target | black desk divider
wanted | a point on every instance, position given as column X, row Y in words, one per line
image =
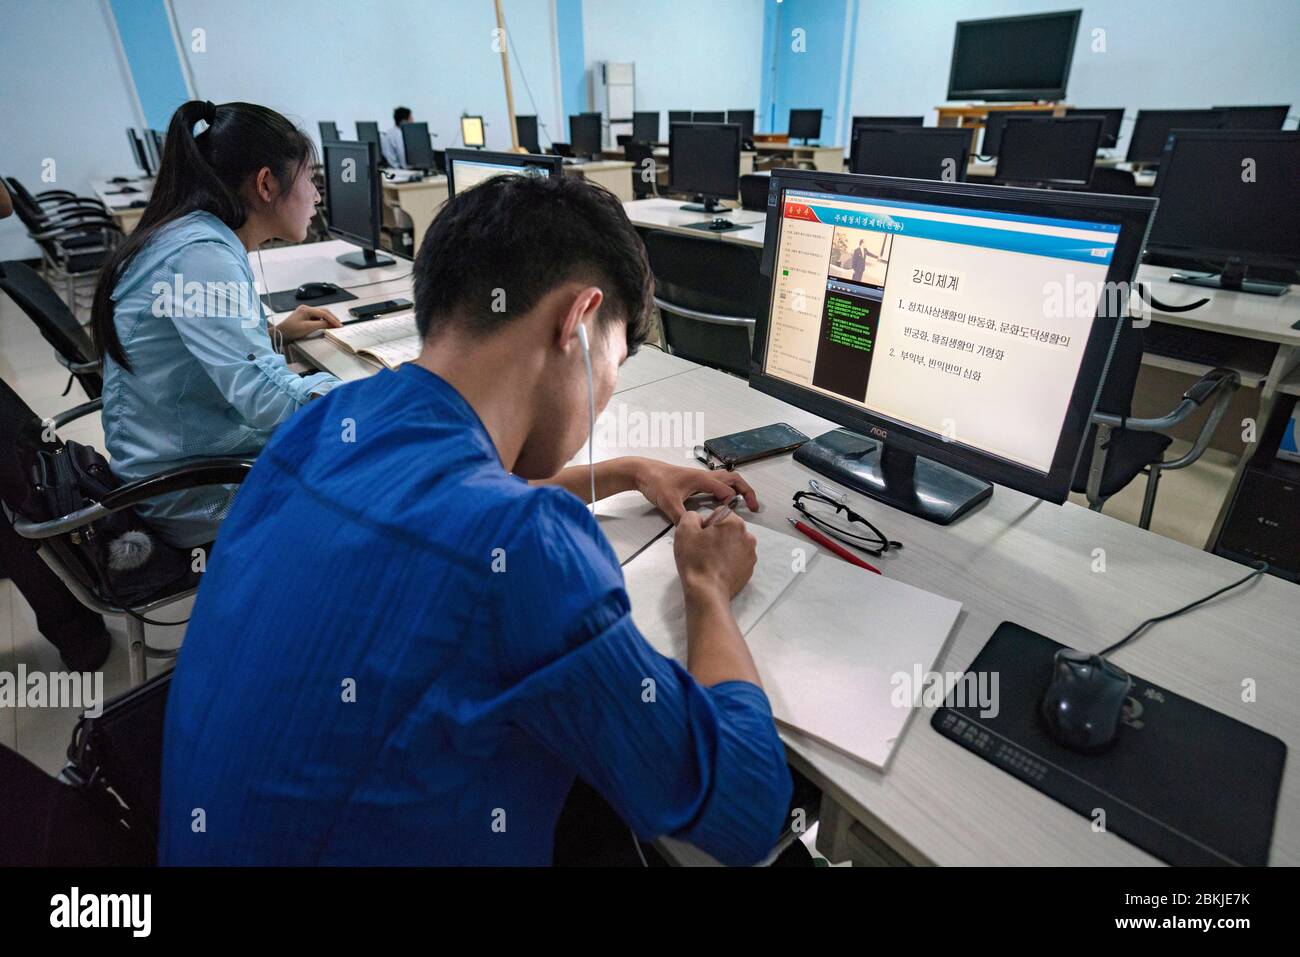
column 1182, row 781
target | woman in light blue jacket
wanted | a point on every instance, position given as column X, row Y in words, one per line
column 190, row 369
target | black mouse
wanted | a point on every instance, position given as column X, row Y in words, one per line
column 137, row 204
column 1084, row 701
column 315, row 290
column 128, row 189
column 120, row 179
column 720, row 223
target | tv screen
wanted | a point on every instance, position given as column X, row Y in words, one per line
column 1013, row 58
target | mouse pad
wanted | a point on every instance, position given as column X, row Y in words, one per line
column 705, row 227
column 1182, row 781
column 287, row 301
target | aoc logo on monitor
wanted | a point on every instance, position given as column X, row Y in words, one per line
column 879, row 433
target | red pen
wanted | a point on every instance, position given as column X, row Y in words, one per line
column 835, row 547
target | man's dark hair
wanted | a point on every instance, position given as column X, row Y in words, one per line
column 494, row 251
column 401, row 115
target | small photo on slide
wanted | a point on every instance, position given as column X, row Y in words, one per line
column 860, row 255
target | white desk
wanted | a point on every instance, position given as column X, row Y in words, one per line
column 827, row 158
column 420, row 201
column 119, row 204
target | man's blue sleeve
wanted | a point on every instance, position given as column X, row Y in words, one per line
column 671, row 757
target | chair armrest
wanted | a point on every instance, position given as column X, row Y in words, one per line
column 1221, row 382
column 213, row 472
column 81, row 225
column 76, row 412
column 79, row 367
column 712, row 317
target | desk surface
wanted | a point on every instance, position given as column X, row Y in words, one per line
column 108, row 193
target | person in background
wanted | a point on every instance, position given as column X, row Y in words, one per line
column 190, row 368
column 436, row 701
column 390, row 143
column 76, row 631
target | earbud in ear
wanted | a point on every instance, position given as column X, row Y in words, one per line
column 582, row 337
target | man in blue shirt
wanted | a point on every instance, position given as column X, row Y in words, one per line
column 404, row 653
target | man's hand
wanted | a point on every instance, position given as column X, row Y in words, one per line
column 305, row 320
column 667, row 487
column 718, row 560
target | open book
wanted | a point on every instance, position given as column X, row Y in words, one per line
column 389, row 340
column 838, row 649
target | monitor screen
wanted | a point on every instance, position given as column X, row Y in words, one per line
column 745, row 120
column 1253, row 117
column 889, row 121
column 418, row 146
column 1151, row 130
column 705, row 159
column 805, row 124
column 584, row 134
column 917, row 152
column 645, row 127
column 526, row 130
column 994, row 124
column 709, row 116
column 923, row 314
column 329, row 132
column 1111, row 118
column 153, row 148
column 1013, row 58
column 468, row 168
column 1230, row 194
column 471, row 131
column 352, row 192
column 1049, row 150
column 679, row 116
column 368, row 132
column 138, row 151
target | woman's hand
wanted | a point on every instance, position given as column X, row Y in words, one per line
column 669, row 486
column 305, row 320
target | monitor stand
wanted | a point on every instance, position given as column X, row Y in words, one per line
column 921, row 486
column 1233, row 277
column 365, row 259
column 705, row 205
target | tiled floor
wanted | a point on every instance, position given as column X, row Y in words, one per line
column 1184, row 511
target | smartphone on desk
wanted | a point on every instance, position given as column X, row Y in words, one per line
column 728, row 451
column 376, row 309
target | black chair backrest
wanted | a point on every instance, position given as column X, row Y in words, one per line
column 26, row 205
column 753, row 191
column 22, row 435
column 637, row 154
column 706, row 275
column 561, row 149
column 53, row 318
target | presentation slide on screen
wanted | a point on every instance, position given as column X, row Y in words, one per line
column 940, row 318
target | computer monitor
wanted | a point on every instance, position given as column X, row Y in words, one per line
column 417, row 146
column 745, row 120
column 329, row 132
column 645, row 127
column 1146, row 144
column 1049, row 150
column 921, row 316
column 138, row 151
column 154, row 142
column 805, row 125
column 709, row 116
column 679, row 116
column 1253, row 117
column 526, row 130
column 1231, row 199
column 705, row 161
column 584, row 134
column 888, row 121
column 1013, row 58
column 468, row 168
column 352, row 204
column 915, row 152
column 471, row 132
column 1112, row 118
column 368, row 132
column 995, row 122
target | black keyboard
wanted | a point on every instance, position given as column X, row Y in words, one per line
column 1209, row 348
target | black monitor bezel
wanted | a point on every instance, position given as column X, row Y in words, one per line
column 138, row 152
column 821, row 121
column 752, row 115
column 482, row 125
column 1131, row 213
column 370, row 242
column 1286, row 112
column 1093, row 118
column 1147, row 115
column 1107, row 113
column 1010, row 94
column 1211, row 254
column 356, row 125
column 410, row 131
column 675, row 185
column 954, row 133
column 554, row 164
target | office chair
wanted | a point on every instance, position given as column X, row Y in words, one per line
column 1119, row 448
column 75, row 233
column 133, row 594
column 753, row 192
column 637, row 154
column 709, row 295
column 56, row 323
column 560, row 149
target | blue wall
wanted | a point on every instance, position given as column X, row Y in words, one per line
column 150, row 49
column 807, row 49
column 573, row 61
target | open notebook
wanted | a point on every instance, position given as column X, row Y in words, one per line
column 831, row 642
column 389, row 340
